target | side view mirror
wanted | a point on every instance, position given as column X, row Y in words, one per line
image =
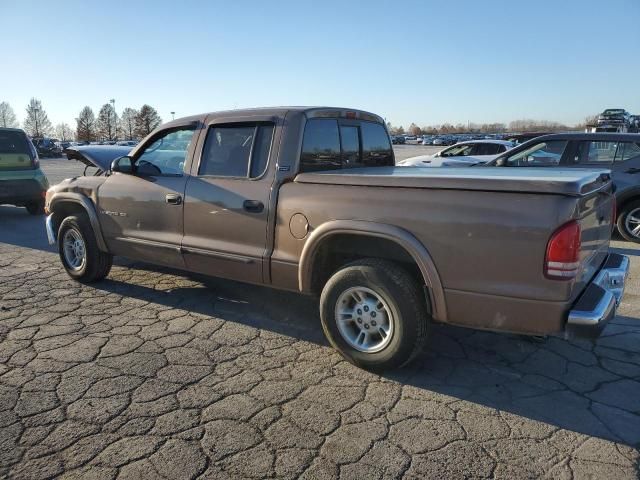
column 122, row 165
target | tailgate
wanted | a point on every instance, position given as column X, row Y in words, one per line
column 595, row 217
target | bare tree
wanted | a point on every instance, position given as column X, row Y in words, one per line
column 146, row 121
column 7, row 116
column 591, row 120
column 128, row 123
column 86, row 125
column 107, row 122
column 528, row 125
column 415, row 129
column 37, row 123
column 446, row 128
column 63, row 132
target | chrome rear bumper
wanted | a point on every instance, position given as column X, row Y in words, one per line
column 597, row 304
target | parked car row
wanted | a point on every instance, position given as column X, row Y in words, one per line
column 47, row 147
column 619, row 153
column 452, row 139
column 461, row 154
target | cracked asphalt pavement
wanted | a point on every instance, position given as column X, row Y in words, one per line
column 154, row 373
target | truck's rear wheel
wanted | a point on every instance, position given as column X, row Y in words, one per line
column 79, row 252
column 629, row 222
column 373, row 313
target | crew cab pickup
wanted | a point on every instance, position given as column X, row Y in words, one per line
column 309, row 200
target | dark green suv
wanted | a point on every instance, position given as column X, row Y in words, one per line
column 22, row 183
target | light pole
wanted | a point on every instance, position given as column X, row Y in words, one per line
column 115, row 120
column 173, row 115
column 35, row 117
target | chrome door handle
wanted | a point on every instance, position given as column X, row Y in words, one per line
column 173, row 198
column 253, row 206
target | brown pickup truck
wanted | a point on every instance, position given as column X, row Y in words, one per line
column 309, row 200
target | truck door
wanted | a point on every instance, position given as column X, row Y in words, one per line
column 141, row 211
column 227, row 199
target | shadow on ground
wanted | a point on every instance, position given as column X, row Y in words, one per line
column 591, row 388
column 586, row 387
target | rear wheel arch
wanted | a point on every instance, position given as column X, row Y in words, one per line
column 626, row 198
column 368, row 240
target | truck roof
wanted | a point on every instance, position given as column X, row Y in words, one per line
column 309, row 111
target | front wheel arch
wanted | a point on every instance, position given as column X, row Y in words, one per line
column 64, row 204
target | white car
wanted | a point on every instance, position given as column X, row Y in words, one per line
column 461, row 154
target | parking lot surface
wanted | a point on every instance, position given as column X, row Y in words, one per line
column 154, row 373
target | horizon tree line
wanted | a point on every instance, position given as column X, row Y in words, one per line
column 137, row 124
column 133, row 124
column 524, row 125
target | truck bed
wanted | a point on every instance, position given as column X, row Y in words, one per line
column 572, row 182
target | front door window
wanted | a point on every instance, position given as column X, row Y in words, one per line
column 165, row 155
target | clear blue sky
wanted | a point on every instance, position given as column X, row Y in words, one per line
column 423, row 61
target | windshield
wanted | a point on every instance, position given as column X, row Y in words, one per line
column 15, row 151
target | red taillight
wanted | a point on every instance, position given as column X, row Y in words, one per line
column 563, row 253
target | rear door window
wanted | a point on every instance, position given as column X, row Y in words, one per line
column 542, row 154
column 488, row 149
column 240, row 150
column 595, row 153
column 628, row 151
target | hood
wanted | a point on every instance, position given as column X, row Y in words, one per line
column 99, row 156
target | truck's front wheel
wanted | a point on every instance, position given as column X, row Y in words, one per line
column 79, row 252
column 373, row 313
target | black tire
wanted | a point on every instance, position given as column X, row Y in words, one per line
column 35, row 208
column 403, row 296
column 97, row 263
column 633, row 207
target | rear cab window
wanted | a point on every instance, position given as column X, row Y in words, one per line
column 16, row 151
column 331, row 144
